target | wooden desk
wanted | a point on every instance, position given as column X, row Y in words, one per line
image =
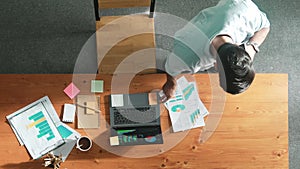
column 253, row 131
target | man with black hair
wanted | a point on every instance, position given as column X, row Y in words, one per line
column 226, row 36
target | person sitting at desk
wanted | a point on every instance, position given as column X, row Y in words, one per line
column 226, row 36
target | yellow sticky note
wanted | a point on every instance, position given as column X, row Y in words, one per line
column 152, row 97
column 114, row 141
column 90, row 107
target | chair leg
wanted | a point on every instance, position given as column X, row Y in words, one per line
column 152, row 7
column 96, row 7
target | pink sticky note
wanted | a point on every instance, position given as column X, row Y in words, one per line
column 71, row 90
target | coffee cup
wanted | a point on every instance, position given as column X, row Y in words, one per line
column 84, row 143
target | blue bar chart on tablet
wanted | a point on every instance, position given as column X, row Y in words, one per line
column 40, row 122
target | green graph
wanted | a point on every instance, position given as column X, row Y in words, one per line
column 40, row 122
column 187, row 92
column 195, row 115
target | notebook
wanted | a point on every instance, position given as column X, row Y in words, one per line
column 69, row 113
column 87, row 116
column 133, row 120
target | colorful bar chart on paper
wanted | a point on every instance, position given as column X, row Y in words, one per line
column 40, row 122
column 176, row 104
column 176, row 99
column 187, row 92
column 195, row 115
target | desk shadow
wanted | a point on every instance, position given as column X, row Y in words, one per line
column 35, row 164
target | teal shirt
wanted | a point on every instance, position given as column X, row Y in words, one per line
column 239, row 19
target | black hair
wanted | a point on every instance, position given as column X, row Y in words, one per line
column 236, row 72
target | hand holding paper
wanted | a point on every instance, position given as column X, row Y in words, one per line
column 186, row 109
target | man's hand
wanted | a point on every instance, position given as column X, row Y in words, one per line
column 258, row 38
column 250, row 50
column 169, row 88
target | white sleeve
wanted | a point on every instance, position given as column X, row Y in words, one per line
column 175, row 66
column 264, row 21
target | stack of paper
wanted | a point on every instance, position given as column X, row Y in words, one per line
column 186, row 110
column 38, row 127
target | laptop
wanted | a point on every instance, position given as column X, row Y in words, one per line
column 135, row 119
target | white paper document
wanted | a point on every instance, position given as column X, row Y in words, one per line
column 38, row 127
column 186, row 110
column 35, row 128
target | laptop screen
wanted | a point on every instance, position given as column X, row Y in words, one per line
column 133, row 100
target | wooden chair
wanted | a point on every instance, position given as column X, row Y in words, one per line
column 102, row 4
column 124, row 44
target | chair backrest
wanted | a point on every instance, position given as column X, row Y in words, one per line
column 103, row 4
column 106, row 4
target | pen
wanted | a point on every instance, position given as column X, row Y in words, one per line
column 98, row 111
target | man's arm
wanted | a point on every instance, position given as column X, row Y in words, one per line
column 257, row 38
column 260, row 36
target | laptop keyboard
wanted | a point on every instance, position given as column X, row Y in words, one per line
column 135, row 115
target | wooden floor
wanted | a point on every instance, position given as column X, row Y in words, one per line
column 126, row 44
column 252, row 133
